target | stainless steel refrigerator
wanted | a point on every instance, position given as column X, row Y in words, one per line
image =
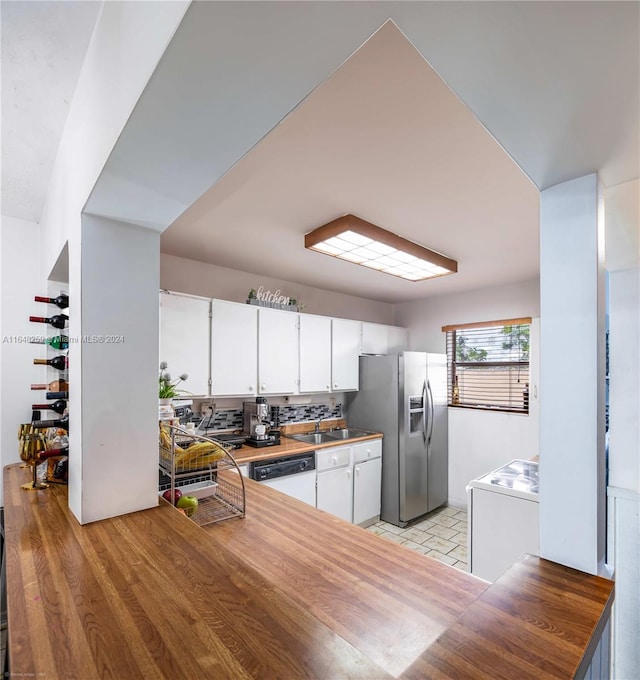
column 404, row 396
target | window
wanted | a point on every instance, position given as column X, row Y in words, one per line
column 488, row 365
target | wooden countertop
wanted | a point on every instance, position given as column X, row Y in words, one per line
column 287, row 592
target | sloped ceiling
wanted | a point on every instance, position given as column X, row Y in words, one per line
column 555, row 83
column 383, row 138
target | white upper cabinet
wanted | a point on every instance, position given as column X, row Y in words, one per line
column 378, row 338
column 315, row 353
column 398, row 339
column 374, row 338
column 277, row 351
column 345, row 352
column 234, row 348
column 184, row 340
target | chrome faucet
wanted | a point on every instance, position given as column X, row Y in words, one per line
column 318, row 425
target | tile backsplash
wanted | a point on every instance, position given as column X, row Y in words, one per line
column 285, row 415
column 231, row 419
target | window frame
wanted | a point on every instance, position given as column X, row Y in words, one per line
column 452, row 364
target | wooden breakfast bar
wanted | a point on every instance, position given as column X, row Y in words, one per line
column 286, row 592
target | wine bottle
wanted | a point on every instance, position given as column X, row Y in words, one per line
column 57, row 341
column 57, row 320
column 58, row 406
column 58, row 422
column 56, row 395
column 49, row 453
column 455, row 392
column 61, row 300
column 55, row 386
column 60, row 362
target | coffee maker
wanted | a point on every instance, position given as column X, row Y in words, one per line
column 257, row 423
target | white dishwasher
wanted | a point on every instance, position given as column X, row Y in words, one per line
column 292, row 475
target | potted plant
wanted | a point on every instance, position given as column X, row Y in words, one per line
column 168, row 387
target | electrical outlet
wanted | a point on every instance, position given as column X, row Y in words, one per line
column 207, row 407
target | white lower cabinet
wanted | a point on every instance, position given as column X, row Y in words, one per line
column 334, row 485
column 367, row 481
column 367, row 478
column 333, row 492
column 348, row 481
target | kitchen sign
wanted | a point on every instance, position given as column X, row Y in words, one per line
column 267, row 298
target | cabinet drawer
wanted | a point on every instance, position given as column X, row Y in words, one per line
column 367, row 450
column 333, row 458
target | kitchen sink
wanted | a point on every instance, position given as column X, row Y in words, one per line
column 313, row 438
column 329, row 436
column 347, row 433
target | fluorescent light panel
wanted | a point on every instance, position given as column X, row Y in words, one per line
column 351, row 239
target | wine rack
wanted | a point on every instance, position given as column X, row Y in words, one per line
column 53, row 467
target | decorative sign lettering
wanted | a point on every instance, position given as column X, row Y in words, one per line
column 268, row 296
column 275, row 300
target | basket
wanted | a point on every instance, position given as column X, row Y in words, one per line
column 201, row 467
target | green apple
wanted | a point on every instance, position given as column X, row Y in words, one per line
column 189, row 504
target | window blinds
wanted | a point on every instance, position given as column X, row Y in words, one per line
column 488, row 365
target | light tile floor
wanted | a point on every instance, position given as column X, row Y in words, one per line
column 442, row 534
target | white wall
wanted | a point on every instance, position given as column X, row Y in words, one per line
column 479, row 441
column 19, row 283
column 198, row 278
column 425, row 318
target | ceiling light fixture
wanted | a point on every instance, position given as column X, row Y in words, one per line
column 354, row 240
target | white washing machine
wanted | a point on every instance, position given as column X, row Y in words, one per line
column 503, row 518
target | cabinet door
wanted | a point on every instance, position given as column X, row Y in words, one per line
column 184, row 340
column 345, row 352
column 315, row 353
column 374, row 338
column 277, row 351
column 334, row 490
column 397, row 339
column 234, row 348
column 367, row 481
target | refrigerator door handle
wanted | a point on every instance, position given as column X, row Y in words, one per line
column 431, row 414
column 425, row 412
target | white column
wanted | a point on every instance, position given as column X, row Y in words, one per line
column 623, row 550
column 572, row 305
column 113, row 364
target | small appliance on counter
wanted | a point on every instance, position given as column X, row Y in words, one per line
column 234, row 441
column 257, row 423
